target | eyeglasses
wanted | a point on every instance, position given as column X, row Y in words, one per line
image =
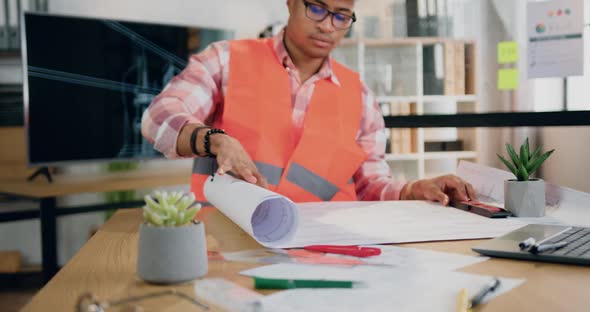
column 318, row 13
column 87, row 302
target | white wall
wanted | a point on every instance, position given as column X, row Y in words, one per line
column 487, row 27
column 569, row 165
column 247, row 18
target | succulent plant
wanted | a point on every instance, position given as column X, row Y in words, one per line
column 170, row 209
column 525, row 164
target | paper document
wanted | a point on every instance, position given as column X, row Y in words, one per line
column 276, row 222
column 564, row 205
column 507, row 52
column 373, row 275
column 507, row 79
column 358, row 223
column 228, row 295
column 390, row 256
column 555, row 38
column 425, row 298
column 399, row 289
column 420, row 259
column 269, row 218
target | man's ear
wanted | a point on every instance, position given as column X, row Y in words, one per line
column 290, row 6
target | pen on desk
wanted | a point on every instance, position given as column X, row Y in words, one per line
column 478, row 298
column 527, row 243
column 355, row 251
column 463, row 304
column 267, row 283
column 546, row 247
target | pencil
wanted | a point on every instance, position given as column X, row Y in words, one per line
column 463, row 301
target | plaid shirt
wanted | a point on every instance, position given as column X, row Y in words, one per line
column 197, row 93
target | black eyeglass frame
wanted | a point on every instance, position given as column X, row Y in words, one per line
column 328, row 12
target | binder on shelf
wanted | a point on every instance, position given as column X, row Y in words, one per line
column 405, row 133
column 433, row 85
column 417, row 19
column 470, row 68
column 443, row 146
column 387, row 133
column 450, row 87
column 428, row 18
column 395, row 133
column 445, row 21
column 432, row 19
column 403, row 141
column 395, row 141
column 459, row 68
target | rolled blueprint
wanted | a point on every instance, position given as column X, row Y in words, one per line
column 271, row 219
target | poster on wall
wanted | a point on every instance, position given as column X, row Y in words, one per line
column 555, row 38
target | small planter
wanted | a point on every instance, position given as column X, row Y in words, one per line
column 172, row 254
column 525, row 198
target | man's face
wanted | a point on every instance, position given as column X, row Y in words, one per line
column 316, row 38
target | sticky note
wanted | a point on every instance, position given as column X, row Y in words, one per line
column 507, row 79
column 507, row 52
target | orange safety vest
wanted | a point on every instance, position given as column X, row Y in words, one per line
column 258, row 112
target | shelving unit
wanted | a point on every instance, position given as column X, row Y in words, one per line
column 432, row 155
column 394, row 70
column 428, row 98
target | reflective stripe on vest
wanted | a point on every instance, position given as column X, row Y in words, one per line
column 311, row 182
column 208, row 166
column 272, row 173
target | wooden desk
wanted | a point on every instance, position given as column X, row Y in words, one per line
column 46, row 193
column 69, row 185
column 105, row 266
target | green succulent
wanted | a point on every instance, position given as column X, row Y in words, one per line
column 525, row 164
column 170, row 209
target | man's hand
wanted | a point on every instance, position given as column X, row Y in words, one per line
column 231, row 156
column 441, row 189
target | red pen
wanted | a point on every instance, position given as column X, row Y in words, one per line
column 355, row 251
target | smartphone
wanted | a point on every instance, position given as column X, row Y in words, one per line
column 481, row 209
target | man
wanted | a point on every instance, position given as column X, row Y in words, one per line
column 295, row 120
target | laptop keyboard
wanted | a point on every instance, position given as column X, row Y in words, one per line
column 579, row 243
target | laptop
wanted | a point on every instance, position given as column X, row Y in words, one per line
column 577, row 250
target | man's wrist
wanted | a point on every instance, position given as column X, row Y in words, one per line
column 185, row 136
column 194, row 141
column 407, row 191
column 216, row 141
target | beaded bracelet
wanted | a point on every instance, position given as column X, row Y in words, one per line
column 208, row 142
column 194, row 136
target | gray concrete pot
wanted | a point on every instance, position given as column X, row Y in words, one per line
column 169, row 255
column 525, row 198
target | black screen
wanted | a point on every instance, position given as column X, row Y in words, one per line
column 89, row 81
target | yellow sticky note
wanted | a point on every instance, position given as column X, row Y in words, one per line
column 507, row 79
column 507, row 52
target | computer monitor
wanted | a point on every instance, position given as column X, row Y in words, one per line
column 88, row 81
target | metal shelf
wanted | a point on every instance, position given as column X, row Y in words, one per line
column 428, row 98
column 432, row 156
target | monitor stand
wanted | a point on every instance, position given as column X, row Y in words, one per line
column 41, row 171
